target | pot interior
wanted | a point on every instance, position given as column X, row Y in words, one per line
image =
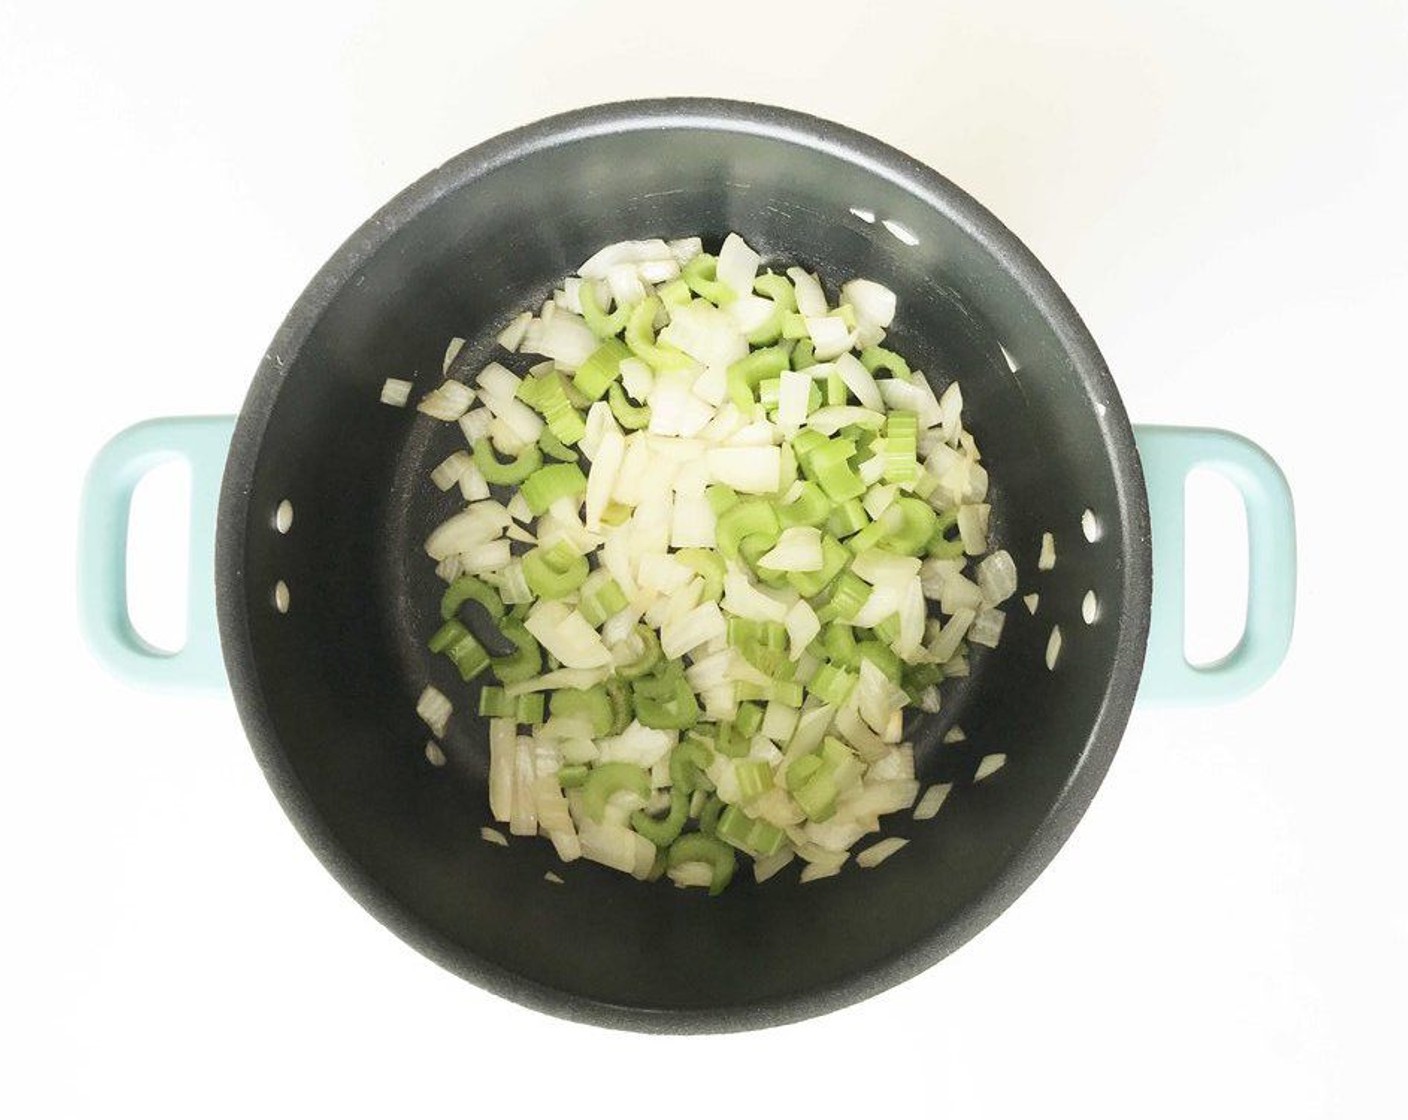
column 328, row 687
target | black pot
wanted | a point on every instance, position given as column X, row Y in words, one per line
column 326, row 685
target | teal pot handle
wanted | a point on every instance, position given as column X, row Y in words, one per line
column 1169, row 454
column 202, row 442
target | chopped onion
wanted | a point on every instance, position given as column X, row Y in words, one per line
column 601, row 479
column 829, row 336
column 475, row 424
column 565, row 338
column 955, row 734
column 989, row 764
column 931, row 802
column 973, row 528
column 880, row 851
column 750, row 313
column 449, row 402
column 640, row 745
column 511, row 337
column 751, row 470
column 636, row 378
column 811, row 300
column 705, row 333
column 997, row 577
column 828, row 421
column 685, row 249
column 395, row 392
column 625, row 284
column 633, row 252
column 859, row 381
column 451, row 469
column 493, row 836
column 766, row 867
column 567, row 635
column 802, row 627
column 953, row 632
column 686, row 634
column 873, row 303
column 792, row 396
column 1047, row 560
column 1053, row 647
column 434, row 708
column 1031, row 601
column 737, row 265
column 798, row 549
column 987, row 627
column 741, row 598
column 473, row 488
column 476, row 525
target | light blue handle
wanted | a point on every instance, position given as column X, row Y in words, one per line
column 202, row 441
column 1168, row 455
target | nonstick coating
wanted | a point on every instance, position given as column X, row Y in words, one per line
column 327, row 690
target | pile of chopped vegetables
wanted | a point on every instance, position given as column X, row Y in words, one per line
column 729, row 550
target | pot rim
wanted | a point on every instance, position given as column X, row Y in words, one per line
column 804, row 130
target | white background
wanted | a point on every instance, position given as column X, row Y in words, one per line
column 1220, row 189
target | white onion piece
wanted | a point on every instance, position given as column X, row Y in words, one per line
column 1053, row 647
column 802, row 628
column 636, row 378
column 955, row 734
column 395, row 392
column 792, row 398
column 749, row 470
column 874, row 304
column 1047, row 560
column 565, row 338
column 705, row 333
column 989, row 764
column 830, row 420
column 685, row 249
column 601, row 479
column 798, row 549
column 859, row 381
column 599, row 263
column 951, row 408
column 997, row 577
column 973, row 528
column 811, row 300
column 987, row 627
column 750, row 313
column 473, row 487
column 700, row 625
column 741, row 598
column 481, row 522
column 1031, row 602
column 493, row 836
column 768, row 866
column 449, row 402
column 931, row 802
column 475, row 424
column 434, row 708
column 643, row 746
column 881, row 568
column 830, row 336
column 737, row 265
column 953, row 632
column 658, row 272
column 625, row 284
column 880, row 851
column 567, row 635
column 448, row 472
column 511, row 337
column 569, row 296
